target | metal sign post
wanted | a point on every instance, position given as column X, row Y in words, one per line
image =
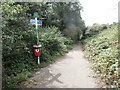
column 39, row 22
column 37, row 47
column 36, row 24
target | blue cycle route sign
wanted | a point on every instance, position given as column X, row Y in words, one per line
column 32, row 21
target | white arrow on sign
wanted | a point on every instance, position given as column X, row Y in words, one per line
column 39, row 22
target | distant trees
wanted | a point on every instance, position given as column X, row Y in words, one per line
column 68, row 19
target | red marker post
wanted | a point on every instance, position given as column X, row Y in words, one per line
column 37, row 50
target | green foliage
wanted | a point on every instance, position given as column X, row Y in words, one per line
column 95, row 29
column 53, row 42
column 19, row 57
column 102, row 50
column 64, row 13
column 66, row 16
column 19, row 35
column 74, row 32
column 13, row 81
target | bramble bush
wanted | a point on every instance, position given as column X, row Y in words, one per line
column 18, row 52
column 102, row 50
column 19, row 36
column 53, row 42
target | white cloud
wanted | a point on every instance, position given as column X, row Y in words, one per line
column 99, row 11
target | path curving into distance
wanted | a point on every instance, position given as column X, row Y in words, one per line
column 70, row 71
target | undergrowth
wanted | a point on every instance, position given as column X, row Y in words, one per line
column 102, row 50
column 19, row 60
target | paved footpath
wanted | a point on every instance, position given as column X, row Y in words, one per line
column 70, row 71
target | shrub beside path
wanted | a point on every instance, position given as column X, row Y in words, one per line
column 70, row 71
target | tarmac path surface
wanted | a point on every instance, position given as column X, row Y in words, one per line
column 69, row 71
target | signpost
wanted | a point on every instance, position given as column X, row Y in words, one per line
column 39, row 22
column 37, row 47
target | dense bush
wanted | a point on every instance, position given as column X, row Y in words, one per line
column 19, row 36
column 19, row 57
column 53, row 42
column 102, row 50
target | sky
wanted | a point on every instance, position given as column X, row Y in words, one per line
column 99, row 11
